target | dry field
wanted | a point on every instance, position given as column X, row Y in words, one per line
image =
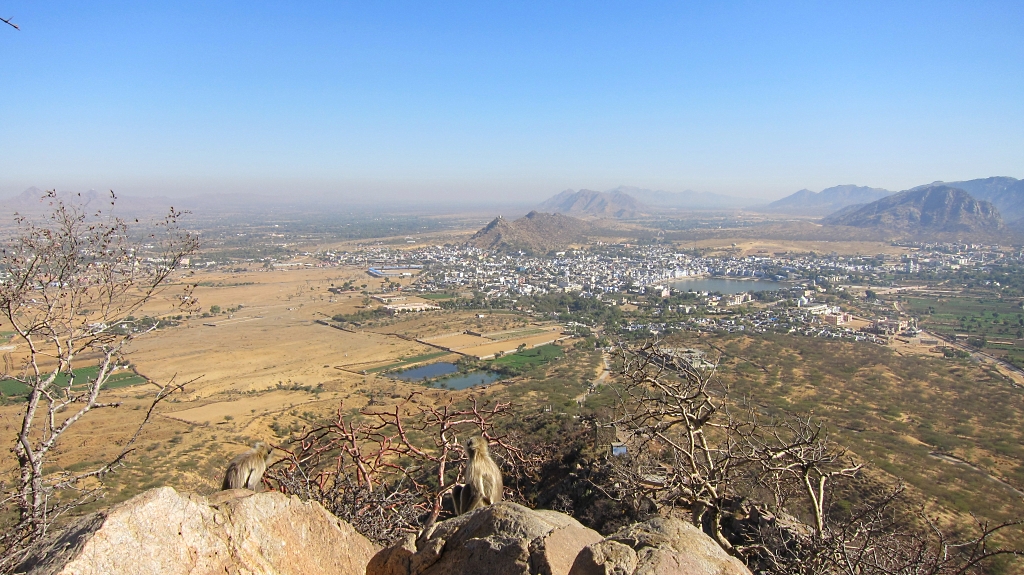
column 261, row 372
column 486, row 345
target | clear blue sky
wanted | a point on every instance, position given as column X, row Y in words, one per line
column 507, row 100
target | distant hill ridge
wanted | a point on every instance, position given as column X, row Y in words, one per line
column 589, row 203
column 931, row 209
column 534, row 233
column 808, row 203
column 1006, row 194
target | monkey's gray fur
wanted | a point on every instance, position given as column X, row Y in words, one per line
column 245, row 471
column 483, row 485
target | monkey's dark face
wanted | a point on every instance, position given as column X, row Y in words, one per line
column 476, row 445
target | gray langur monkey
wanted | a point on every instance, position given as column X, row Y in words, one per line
column 245, row 471
column 482, row 478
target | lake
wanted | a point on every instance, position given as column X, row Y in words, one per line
column 469, row 380
column 442, row 369
column 725, row 286
column 425, row 371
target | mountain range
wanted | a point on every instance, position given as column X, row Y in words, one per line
column 808, row 203
column 1006, row 194
column 930, row 209
column 588, row 203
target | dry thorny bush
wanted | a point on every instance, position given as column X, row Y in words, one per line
column 387, row 470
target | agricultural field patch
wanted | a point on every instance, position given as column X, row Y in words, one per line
column 530, row 358
column 120, row 378
column 994, row 325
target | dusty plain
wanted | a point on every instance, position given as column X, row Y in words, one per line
column 260, row 369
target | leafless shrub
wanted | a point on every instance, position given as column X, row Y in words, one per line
column 387, row 471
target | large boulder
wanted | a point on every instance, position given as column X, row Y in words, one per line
column 233, row 532
column 661, row 546
column 501, row 539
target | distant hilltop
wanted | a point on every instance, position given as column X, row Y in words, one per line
column 534, row 233
column 808, row 203
column 631, row 202
column 1006, row 194
column 933, row 209
column 588, row 203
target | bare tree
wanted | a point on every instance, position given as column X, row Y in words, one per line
column 71, row 287
column 702, row 452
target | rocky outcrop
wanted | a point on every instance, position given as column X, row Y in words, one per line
column 233, row 532
column 661, row 546
column 502, row 539
column 509, row 539
column 244, row 533
column 933, row 209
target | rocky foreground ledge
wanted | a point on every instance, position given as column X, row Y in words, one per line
column 240, row 532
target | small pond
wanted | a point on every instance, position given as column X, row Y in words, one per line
column 425, row 372
column 440, row 370
column 468, row 380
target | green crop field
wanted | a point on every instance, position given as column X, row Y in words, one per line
column 119, row 378
column 995, row 325
column 529, row 358
column 435, row 295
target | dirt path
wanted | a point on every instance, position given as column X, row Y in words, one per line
column 957, row 461
column 599, row 379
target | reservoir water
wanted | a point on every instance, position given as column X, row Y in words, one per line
column 442, row 369
column 725, row 286
column 425, row 371
column 469, row 380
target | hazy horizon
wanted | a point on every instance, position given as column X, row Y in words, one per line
column 507, row 104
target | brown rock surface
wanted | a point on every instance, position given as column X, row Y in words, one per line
column 233, row 532
column 662, row 546
column 501, row 539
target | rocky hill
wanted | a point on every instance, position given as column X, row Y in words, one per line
column 588, row 203
column 827, row 201
column 534, row 233
column 1006, row 194
column 932, row 209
